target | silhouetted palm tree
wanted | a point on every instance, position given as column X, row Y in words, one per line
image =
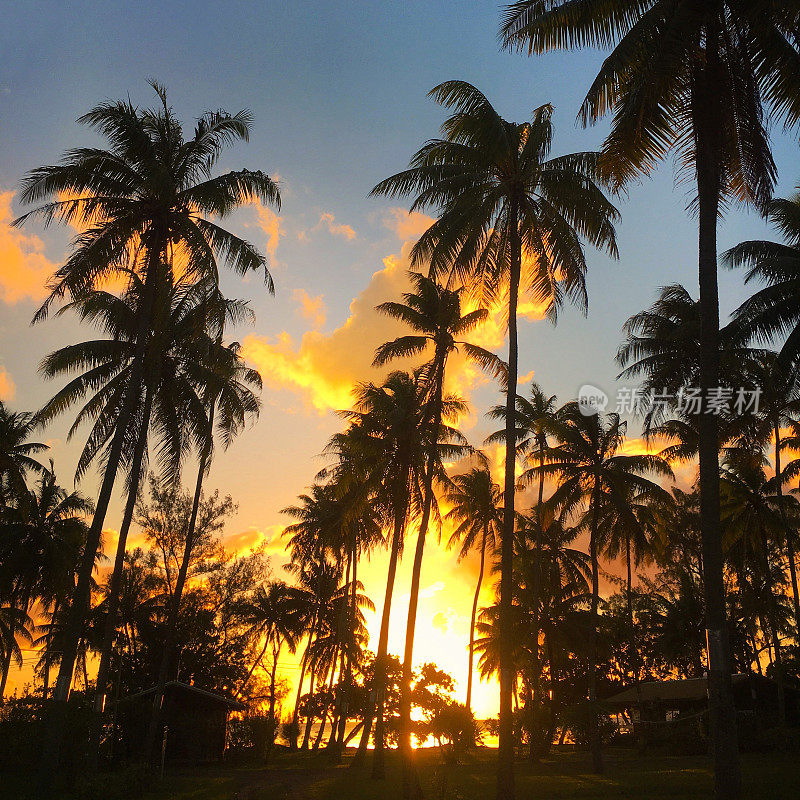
column 510, row 220
column 142, row 202
column 594, row 475
column 16, row 453
column 435, row 315
column 477, row 510
column 695, row 79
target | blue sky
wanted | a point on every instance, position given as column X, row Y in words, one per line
column 338, row 96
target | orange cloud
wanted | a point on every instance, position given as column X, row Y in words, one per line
column 7, row 386
column 526, row 378
column 271, row 224
column 327, row 220
column 25, row 268
column 407, row 224
column 312, row 308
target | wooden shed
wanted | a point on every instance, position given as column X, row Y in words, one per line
column 196, row 721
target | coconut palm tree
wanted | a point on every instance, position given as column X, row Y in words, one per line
column 228, row 396
column 510, row 220
column 434, row 313
column 476, row 509
column 41, row 543
column 183, row 359
column 17, row 453
column 396, row 436
column 594, row 475
column 696, row 79
column 141, row 202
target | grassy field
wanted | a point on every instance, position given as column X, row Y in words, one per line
column 771, row 776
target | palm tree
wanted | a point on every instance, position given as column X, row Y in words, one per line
column 183, row 357
column 275, row 616
column 16, row 453
column 141, row 201
column 696, row 79
column 477, row 510
column 397, row 438
column 772, row 313
column 435, row 314
column 752, row 521
column 227, row 394
column 509, row 219
column 594, row 475
column 41, row 542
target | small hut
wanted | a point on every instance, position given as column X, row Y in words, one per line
column 665, row 701
column 195, row 719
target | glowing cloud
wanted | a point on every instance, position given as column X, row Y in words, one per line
column 407, row 224
column 25, row 268
column 271, row 224
column 526, row 378
column 311, row 308
column 7, row 386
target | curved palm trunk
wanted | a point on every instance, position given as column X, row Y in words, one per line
column 375, row 702
column 79, row 608
column 112, row 616
column 299, row 693
column 472, row 621
column 505, row 752
column 110, row 628
column 595, row 744
column 411, row 785
column 722, row 714
column 343, row 715
column 167, row 654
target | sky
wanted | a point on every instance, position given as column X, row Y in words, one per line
column 338, row 97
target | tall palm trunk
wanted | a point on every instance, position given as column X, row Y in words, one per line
column 110, row 628
column 632, row 637
column 505, row 754
column 411, row 785
column 167, row 654
column 81, row 600
column 535, row 591
column 595, row 744
column 787, row 530
column 343, row 714
column 299, row 694
column 722, row 713
column 6, row 668
column 768, row 592
column 472, row 620
column 375, row 701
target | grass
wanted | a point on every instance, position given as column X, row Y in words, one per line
column 564, row 775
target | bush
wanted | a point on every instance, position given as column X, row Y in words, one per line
column 134, row 780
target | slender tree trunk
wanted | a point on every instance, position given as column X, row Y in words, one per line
column 343, row 716
column 632, row 637
column 311, row 712
column 167, row 654
column 472, row 621
column 505, row 752
column 6, row 669
column 787, row 530
column 595, row 745
column 768, row 594
column 79, row 608
column 375, row 703
column 722, row 713
column 411, row 786
column 299, row 693
column 341, row 625
column 276, row 649
column 110, row 628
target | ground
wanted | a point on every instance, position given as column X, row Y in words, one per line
column 565, row 775
column 771, row 776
